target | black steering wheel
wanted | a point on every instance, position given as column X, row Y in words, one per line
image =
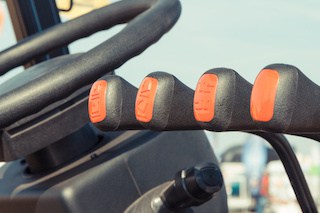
column 29, row 98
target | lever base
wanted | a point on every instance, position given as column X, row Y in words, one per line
column 106, row 181
column 63, row 151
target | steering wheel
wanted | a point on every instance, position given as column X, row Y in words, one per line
column 44, row 103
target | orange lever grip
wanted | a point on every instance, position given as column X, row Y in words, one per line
column 263, row 95
column 145, row 99
column 204, row 98
column 97, row 101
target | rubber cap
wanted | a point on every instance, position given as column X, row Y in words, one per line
column 210, row 177
column 263, row 95
column 145, row 99
column 97, row 101
column 204, row 98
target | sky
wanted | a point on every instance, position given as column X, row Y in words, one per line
column 243, row 35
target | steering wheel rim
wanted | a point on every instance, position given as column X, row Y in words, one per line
column 153, row 18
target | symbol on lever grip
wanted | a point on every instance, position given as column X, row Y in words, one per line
column 145, row 99
column 97, row 101
column 204, row 98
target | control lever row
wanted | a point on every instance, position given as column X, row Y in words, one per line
column 221, row 102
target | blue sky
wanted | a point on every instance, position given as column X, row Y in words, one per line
column 243, row 35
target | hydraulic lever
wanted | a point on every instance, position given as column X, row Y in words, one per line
column 111, row 104
column 164, row 103
column 221, row 101
column 284, row 100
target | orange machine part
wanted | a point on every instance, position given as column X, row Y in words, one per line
column 1, row 19
column 263, row 95
column 97, row 101
column 145, row 99
column 205, row 97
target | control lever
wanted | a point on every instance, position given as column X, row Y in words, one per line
column 111, row 104
column 191, row 187
column 221, row 101
column 284, row 100
column 164, row 103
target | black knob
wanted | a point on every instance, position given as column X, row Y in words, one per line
column 193, row 186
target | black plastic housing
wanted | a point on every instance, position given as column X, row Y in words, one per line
column 109, row 178
column 47, row 126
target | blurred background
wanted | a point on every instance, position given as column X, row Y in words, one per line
column 242, row 35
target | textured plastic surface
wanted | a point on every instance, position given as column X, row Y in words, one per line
column 118, row 100
column 296, row 106
column 231, row 101
column 109, row 180
column 47, row 126
column 172, row 108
